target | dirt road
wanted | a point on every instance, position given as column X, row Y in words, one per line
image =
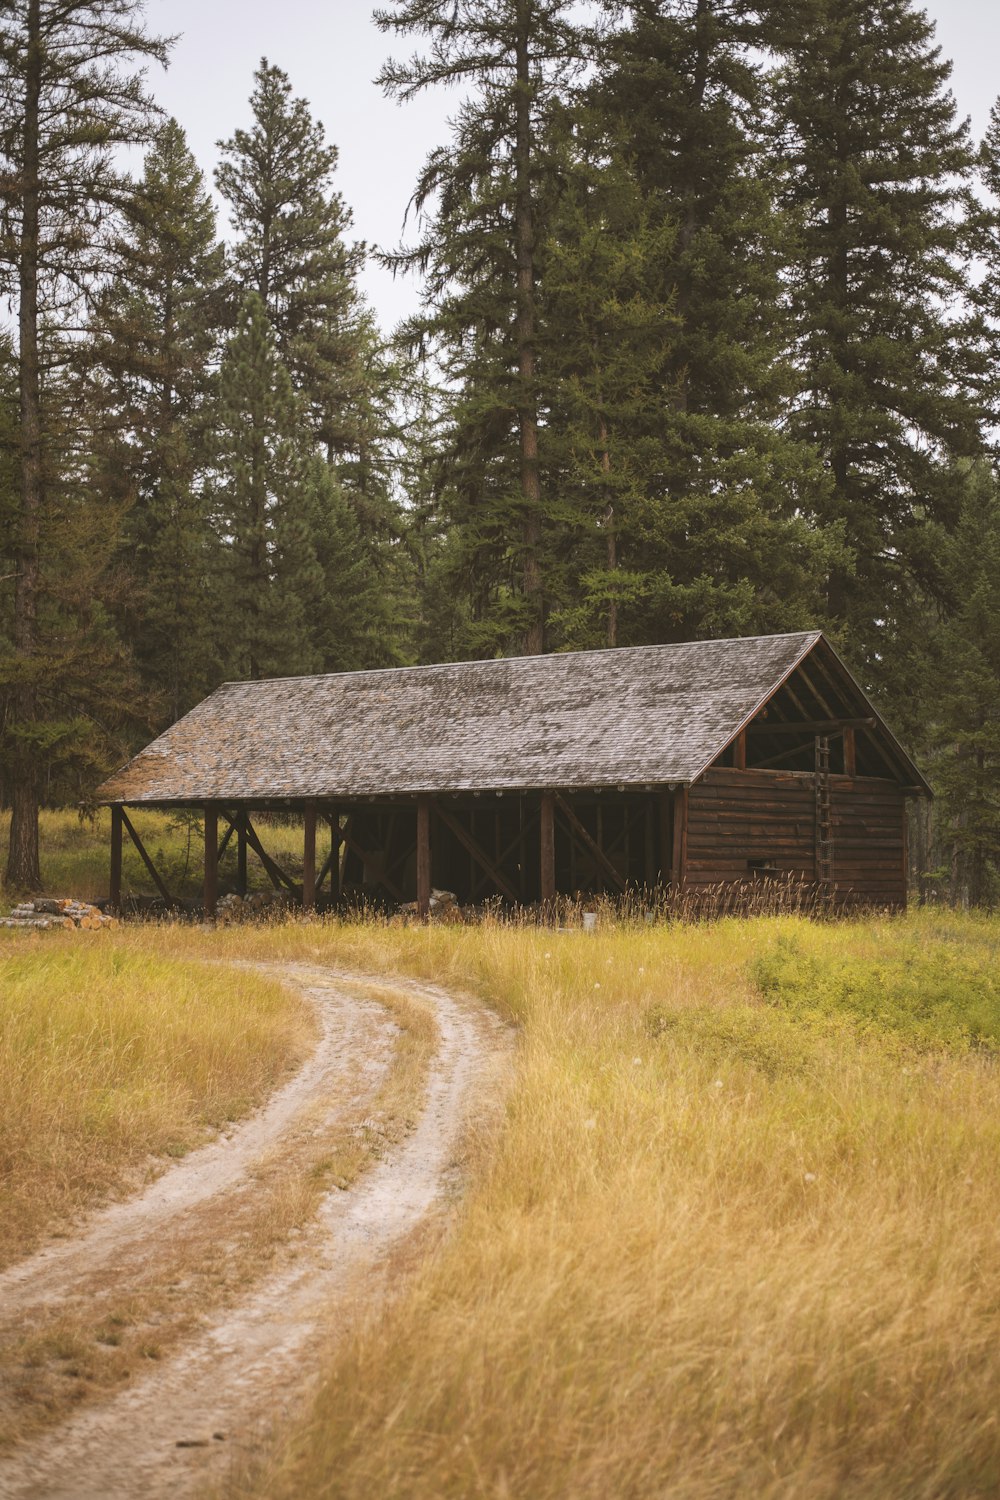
column 216, row 1401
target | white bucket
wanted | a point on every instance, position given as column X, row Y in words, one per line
column 589, row 921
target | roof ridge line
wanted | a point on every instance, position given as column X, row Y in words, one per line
column 492, row 661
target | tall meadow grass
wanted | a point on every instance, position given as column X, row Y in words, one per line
column 114, row 1053
column 726, row 1241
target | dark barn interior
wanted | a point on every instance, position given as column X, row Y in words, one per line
column 692, row 767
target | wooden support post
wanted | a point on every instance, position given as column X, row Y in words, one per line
column 336, row 862
column 740, row 751
column 477, row 855
column 850, row 752
column 241, row 853
column 309, row 857
column 275, row 872
column 809, row 726
column 678, row 861
column 548, row 849
column 224, row 842
column 423, row 856
column 649, row 836
column 211, row 859
column 906, row 853
column 666, row 801
column 591, row 845
column 115, row 893
column 154, row 873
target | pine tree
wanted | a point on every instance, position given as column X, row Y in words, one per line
column 606, row 339
column 724, row 515
column 984, row 225
column 296, row 585
column 154, row 338
column 71, row 96
column 876, row 165
column 954, row 675
column 480, row 199
column 292, row 249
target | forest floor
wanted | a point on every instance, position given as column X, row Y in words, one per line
column 241, row 1362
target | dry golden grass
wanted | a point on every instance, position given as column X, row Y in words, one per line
column 143, row 1307
column 114, row 1056
column 720, row 1247
column 736, row 1233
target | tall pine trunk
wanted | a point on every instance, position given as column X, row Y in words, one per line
column 610, row 534
column 23, row 872
column 524, row 231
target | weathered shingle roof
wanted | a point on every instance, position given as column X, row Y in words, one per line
column 648, row 714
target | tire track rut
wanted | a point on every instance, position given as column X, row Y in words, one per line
column 251, row 1367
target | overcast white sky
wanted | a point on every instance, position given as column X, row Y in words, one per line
column 332, row 52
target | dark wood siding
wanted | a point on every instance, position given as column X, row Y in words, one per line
column 869, row 840
column 741, row 819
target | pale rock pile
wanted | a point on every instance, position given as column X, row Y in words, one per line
column 443, row 905
column 50, row 911
column 233, row 908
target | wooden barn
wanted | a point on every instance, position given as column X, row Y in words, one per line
column 521, row 779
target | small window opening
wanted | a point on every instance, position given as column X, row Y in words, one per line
column 763, row 869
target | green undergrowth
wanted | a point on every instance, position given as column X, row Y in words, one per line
column 939, row 990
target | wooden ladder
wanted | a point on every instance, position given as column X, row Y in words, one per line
column 824, row 816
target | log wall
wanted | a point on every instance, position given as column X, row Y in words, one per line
column 741, row 819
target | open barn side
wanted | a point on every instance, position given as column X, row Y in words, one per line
column 696, row 765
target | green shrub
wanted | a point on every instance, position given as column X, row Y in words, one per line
column 943, row 994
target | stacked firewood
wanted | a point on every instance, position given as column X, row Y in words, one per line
column 50, row 911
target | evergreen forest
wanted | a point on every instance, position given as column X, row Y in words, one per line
column 708, row 344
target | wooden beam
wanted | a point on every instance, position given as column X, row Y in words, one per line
column 516, row 843
column 789, row 691
column 423, row 856
column 831, row 713
column 740, row 751
column 336, row 856
column 811, row 726
column 666, row 800
column 649, row 843
column 275, row 872
column 115, row 891
column 774, row 761
column 589, row 843
column 309, row 857
column 211, row 859
column 478, row 854
column 331, row 865
column 363, row 854
column 227, row 836
column 850, row 752
column 153, row 871
column 678, row 863
column 241, row 853
column 836, row 689
column 547, row 848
